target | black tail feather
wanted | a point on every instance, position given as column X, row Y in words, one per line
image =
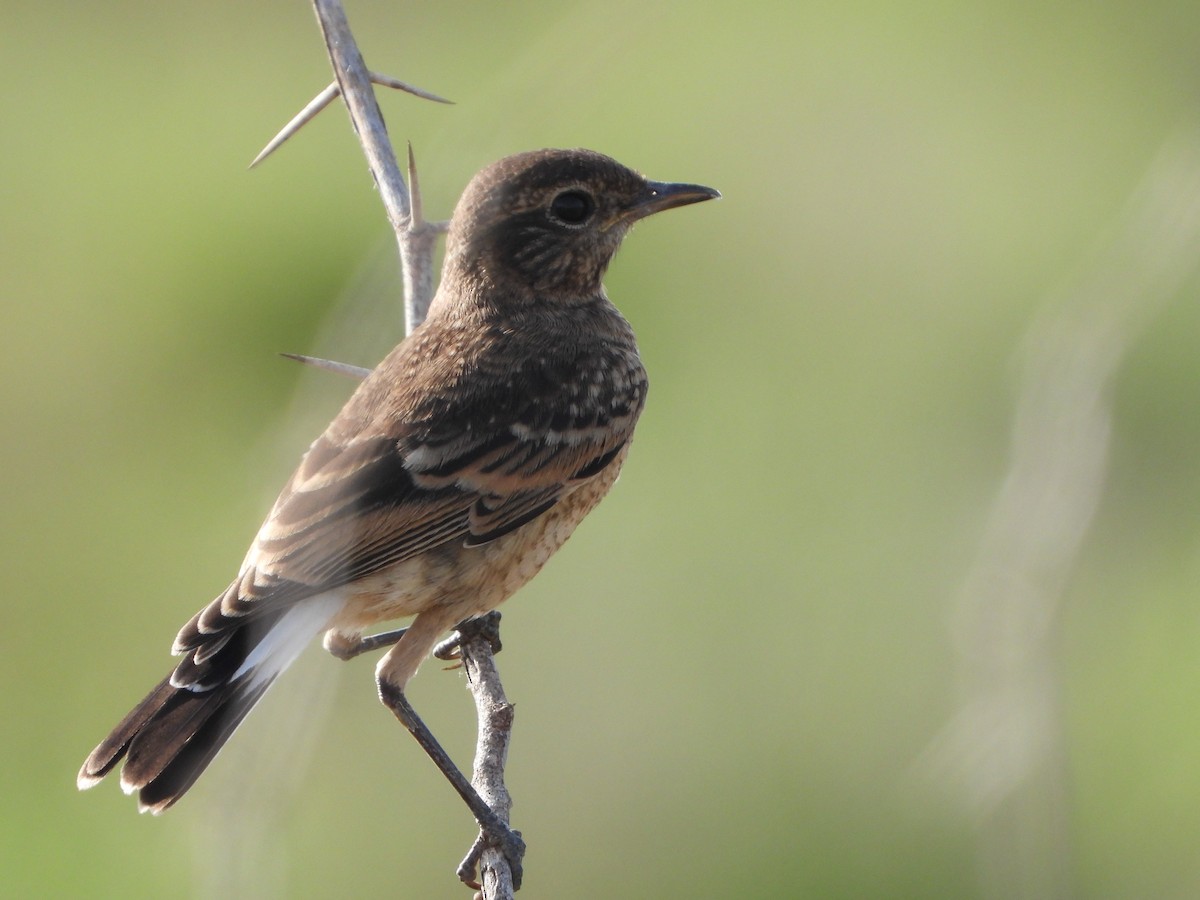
column 181, row 764
column 169, row 739
column 113, row 748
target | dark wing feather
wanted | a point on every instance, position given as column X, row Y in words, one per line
column 492, row 516
column 468, row 459
column 357, row 512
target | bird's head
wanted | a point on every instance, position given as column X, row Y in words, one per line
column 548, row 222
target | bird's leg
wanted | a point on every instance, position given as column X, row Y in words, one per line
column 492, row 831
column 343, row 648
column 487, row 626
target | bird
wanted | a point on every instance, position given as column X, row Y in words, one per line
column 458, row 466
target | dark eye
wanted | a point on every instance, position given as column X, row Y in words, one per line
column 572, row 207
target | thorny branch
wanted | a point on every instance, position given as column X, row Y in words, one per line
column 415, row 239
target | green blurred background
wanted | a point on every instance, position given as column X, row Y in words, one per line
column 738, row 679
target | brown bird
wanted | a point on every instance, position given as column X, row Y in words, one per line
column 455, row 470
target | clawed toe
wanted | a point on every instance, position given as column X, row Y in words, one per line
column 486, row 626
column 501, row 837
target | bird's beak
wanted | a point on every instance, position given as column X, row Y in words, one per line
column 662, row 195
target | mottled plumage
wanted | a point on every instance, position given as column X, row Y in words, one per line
column 456, row 469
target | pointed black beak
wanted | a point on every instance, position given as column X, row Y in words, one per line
column 663, row 195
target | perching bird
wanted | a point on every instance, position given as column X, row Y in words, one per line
column 455, row 470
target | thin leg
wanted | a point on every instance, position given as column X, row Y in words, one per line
column 344, row 649
column 492, row 831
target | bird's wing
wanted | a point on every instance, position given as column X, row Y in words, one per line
column 480, row 465
column 383, row 485
column 352, row 509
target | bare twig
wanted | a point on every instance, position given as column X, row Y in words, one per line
column 354, row 83
column 491, row 750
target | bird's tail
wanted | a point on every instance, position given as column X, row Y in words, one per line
column 169, row 738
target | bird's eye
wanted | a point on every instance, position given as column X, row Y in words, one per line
column 572, row 207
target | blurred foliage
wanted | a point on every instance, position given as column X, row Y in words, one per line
column 765, row 596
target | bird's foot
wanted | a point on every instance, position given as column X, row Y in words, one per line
column 486, row 626
column 496, row 835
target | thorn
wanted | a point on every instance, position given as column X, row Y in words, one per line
column 418, row 222
column 396, row 83
column 326, row 97
column 329, row 365
column 298, row 121
column 414, row 190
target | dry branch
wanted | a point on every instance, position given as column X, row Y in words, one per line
column 415, row 239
